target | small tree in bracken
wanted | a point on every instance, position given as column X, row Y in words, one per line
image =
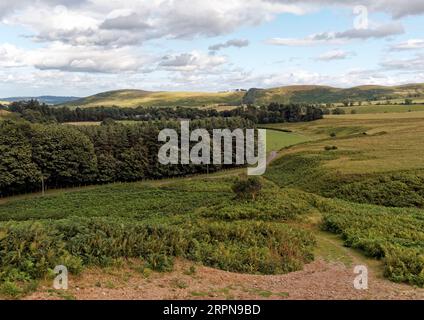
column 247, row 188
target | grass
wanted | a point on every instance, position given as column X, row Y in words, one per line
column 277, row 140
column 135, row 98
column 185, row 219
column 325, row 94
column 375, row 109
column 368, row 192
column 4, row 114
column 292, row 94
column 392, row 234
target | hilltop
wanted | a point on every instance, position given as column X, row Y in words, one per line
column 326, row 94
column 134, row 98
column 256, row 96
column 52, row 100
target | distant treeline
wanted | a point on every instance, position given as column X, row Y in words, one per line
column 62, row 156
column 35, row 112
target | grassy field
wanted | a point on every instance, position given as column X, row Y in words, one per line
column 135, row 98
column 288, row 94
column 375, row 109
column 374, row 166
column 359, row 176
column 277, row 140
column 325, row 94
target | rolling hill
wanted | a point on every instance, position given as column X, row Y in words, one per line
column 52, row 100
column 325, row 94
column 287, row 94
column 134, row 98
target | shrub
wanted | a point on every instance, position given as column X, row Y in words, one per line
column 393, row 235
column 329, row 148
column 338, row 111
column 247, row 188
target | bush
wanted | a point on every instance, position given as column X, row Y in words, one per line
column 329, row 148
column 338, row 111
column 247, row 188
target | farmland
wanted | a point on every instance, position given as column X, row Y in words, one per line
column 277, row 140
column 384, row 108
column 366, row 189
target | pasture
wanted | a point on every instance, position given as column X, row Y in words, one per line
column 277, row 140
column 135, row 98
column 390, row 108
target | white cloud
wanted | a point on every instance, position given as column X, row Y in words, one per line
column 412, row 44
column 313, row 40
column 396, row 8
column 10, row 56
column 87, row 42
column 191, row 62
column 330, row 38
column 238, row 43
column 413, row 63
column 120, row 23
column 337, row 54
column 75, row 59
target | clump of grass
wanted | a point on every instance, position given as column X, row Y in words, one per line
column 13, row 290
column 190, row 271
column 199, row 294
column 178, row 283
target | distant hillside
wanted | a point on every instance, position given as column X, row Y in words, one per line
column 53, row 100
column 288, row 94
column 134, row 98
column 325, row 94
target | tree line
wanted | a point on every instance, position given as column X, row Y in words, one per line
column 55, row 155
column 36, row 112
column 37, row 150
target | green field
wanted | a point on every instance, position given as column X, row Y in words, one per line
column 384, row 108
column 325, row 94
column 310, row 94
column 277, row 140
column 357, row 176
column 135, row 98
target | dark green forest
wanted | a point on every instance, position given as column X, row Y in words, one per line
column 62, row 155
column 34, row 111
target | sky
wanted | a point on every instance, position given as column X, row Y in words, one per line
column 83, row 47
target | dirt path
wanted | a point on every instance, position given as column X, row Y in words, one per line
column 330, row 276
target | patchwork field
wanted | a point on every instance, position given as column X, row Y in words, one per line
column 352, row 180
